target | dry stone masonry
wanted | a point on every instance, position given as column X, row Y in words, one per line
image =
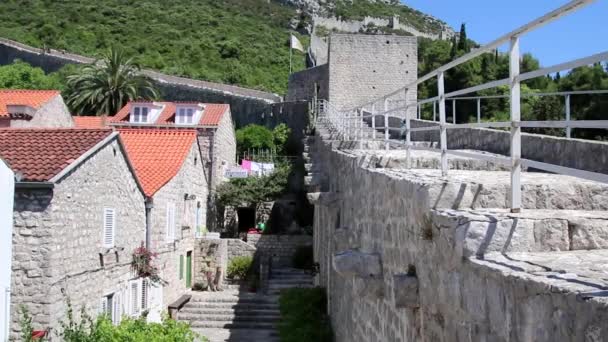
column 446, row 259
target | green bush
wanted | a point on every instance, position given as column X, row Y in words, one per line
column 239, row 267
column 303, row 316
column 254, row 137
column 303, row 257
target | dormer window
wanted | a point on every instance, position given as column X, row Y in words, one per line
column 184, row 116
column 139, row 114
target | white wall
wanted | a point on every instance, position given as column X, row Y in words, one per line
column 7, row 188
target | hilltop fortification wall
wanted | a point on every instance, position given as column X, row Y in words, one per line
column 244, row 102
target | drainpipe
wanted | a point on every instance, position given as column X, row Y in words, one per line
column 149, row 206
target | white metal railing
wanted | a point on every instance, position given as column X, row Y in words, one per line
column 348, row 124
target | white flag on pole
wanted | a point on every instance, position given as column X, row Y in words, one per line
column 295, row 43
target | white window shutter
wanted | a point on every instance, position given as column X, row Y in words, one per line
column 109, row 227
column 117, row 312
column 144, row 294
column 170, row 229
column 103, row 305
column 134, row 297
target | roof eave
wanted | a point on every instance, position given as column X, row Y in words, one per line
column 34, row 185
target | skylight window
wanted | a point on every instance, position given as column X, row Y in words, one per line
column 140, row 114
column 184, row 116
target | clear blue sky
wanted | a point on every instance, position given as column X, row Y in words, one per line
column 579, row 34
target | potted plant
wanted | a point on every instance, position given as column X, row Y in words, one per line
column 142, row 264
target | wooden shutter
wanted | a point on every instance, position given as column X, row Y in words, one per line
column 144, row 294
column 170, row 222
column 134, row 297
column 103, row 306
column 117, row 309
column 109, row 227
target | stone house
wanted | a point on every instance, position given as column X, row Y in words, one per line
column 212, row 121
column 33, row 108
column 78, row 216
column 168, row 163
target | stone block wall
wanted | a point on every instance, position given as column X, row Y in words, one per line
column 365, row 67
column 407, row 223
column 188, row 190
column 305, row 84
column 57, row 239
column 54, row 113
column 576, row 153
column 280, row 248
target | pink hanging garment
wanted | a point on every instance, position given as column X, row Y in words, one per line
column 246, row 164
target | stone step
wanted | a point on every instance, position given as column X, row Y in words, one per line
column 288, row 270
column 235, row 300
column 235, row 325
column 238, row 335
column 230, row 318
column 231, row 306
column 288, row 281
column 230, row 311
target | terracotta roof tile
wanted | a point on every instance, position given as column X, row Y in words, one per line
column 89, row 121
column 157, row 155
column 212, row 115
column 32, row 98
column 40, row 154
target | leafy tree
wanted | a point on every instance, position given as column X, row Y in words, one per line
column 281, row 135
column 20, row 75
column 254, row 137
column 105, row 86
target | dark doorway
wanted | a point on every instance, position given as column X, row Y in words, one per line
column 246, row 218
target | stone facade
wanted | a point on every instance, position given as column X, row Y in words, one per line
column 188, row 193
column 366, row 67
column 306, row 84
column 480, row 274
column 224, row 149
column 54, row 113
column 57, row 239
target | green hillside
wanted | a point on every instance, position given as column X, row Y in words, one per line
column 242, row 42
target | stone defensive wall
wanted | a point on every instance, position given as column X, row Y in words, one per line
column 575, row 153
column 243, row 101
column 409, row 255
column 354, row 26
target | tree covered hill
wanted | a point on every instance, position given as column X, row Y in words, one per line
column 242, row 42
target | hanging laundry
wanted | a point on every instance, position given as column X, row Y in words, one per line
column 246, row 164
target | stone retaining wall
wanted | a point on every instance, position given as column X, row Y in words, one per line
column 401, row 265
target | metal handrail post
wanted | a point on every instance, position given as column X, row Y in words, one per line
column 373, row 121
column 386, row 137
column 454, row 112
column 568, row 129
column 408, row 138
column 442, row 129
column 478, row 110
column 515, row 99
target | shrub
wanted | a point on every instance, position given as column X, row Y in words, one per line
column 303, row 257
column 303, row 316
column 239, row 267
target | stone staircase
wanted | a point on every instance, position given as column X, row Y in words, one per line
column 286, row 278
column 238, row 316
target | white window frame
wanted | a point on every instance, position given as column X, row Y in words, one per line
column 139, row 302
column 170, row 222
column 105, row 242
column 138, row 115
column 114, row 313
column 185, row 115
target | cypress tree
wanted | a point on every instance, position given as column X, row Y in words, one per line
column 454, row 50
column 463, row 43
column 557, row 76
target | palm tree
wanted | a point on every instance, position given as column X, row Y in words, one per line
column 105, row 86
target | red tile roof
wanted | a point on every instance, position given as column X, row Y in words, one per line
column 157, row 155
column 40, row 154
column 212, row 115
column 31, row 98
column 89, row 121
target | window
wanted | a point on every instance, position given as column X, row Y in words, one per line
column 110, row 306
column 109, row 227
column 139, row 290
column 184, row 116
column 170, row 222
column 140, row 115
